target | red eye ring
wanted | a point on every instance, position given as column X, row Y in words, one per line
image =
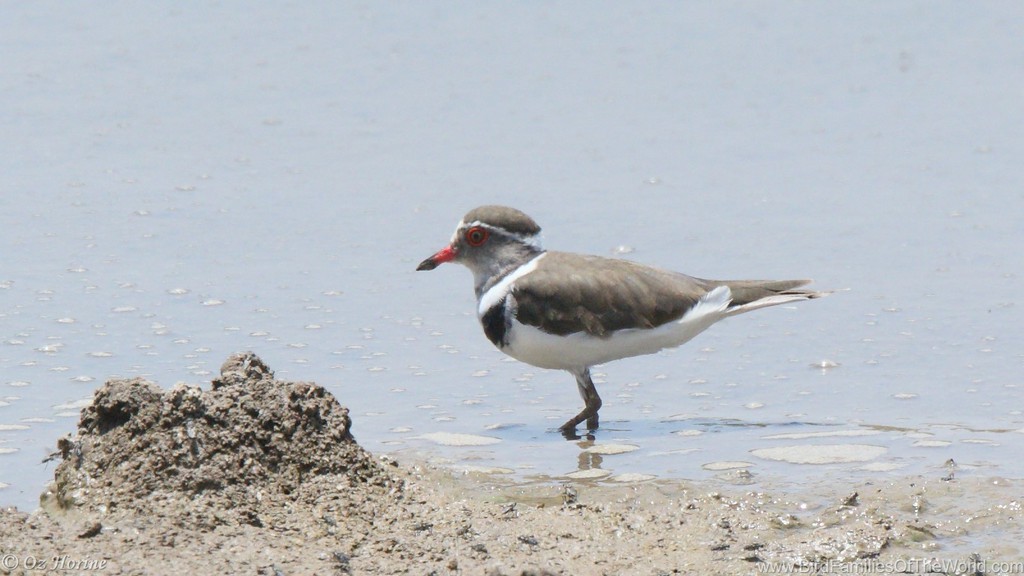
column 477, row 235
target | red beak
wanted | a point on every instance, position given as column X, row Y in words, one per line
column 446, row 254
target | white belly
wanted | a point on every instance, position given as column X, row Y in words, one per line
column 581, row 350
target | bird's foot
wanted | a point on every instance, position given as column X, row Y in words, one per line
column 572, row 435
column 568, row 429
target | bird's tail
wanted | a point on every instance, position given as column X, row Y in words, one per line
column 750, row 295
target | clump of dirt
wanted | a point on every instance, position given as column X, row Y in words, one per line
column 228, row 455
column 260, row 476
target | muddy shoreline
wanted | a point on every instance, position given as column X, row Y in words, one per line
column 261, row 476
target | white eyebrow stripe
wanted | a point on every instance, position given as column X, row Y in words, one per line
column 532, row 240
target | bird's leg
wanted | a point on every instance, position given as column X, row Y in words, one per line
column 591, row 401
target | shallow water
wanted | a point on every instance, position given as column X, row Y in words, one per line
column 184, row 183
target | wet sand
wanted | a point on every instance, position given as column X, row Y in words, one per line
column 261, row 476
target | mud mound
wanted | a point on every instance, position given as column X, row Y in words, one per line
column 231, row 454
column 259, row 476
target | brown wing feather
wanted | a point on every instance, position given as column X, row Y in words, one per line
column 577, row 293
